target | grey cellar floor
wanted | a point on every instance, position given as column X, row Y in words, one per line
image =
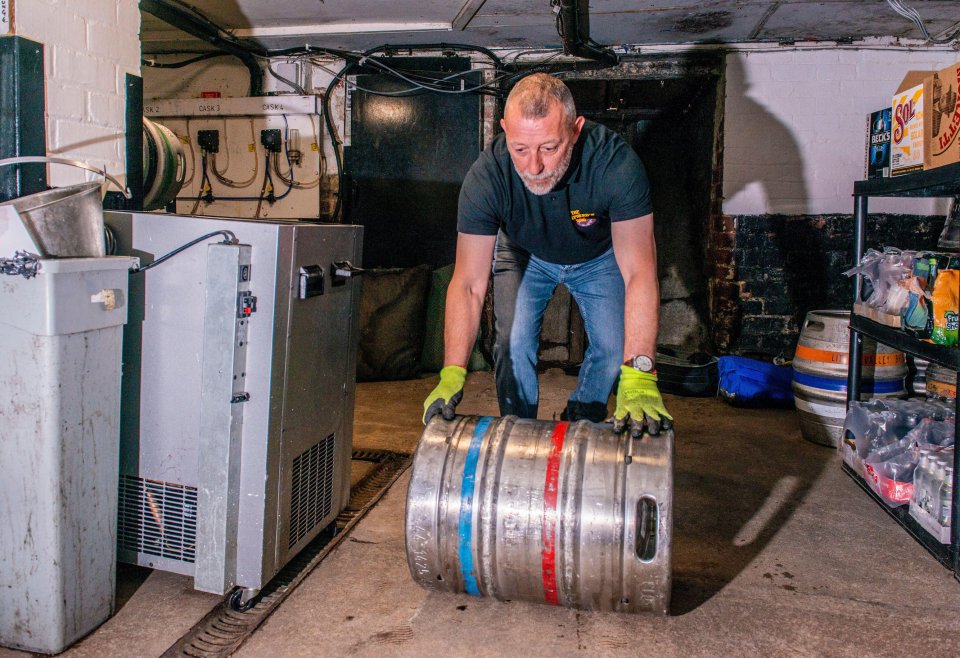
column 776, row 553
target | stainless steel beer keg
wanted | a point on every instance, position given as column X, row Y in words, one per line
column 563, row 513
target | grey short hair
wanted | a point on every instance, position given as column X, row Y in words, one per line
column 532, row 97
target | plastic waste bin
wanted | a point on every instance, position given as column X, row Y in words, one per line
column 60, row 336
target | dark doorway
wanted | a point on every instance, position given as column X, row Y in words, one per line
column 405, row 162
column 671, row 124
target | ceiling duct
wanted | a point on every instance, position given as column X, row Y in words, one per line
column 575, row 33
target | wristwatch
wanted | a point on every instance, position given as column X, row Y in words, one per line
column 640, row 362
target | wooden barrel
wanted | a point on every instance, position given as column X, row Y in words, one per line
column 562, row 513
column 820, row 374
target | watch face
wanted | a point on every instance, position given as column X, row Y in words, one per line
column 643, row 363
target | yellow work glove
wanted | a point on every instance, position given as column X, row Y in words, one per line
column 447, row 395
column 639, row 403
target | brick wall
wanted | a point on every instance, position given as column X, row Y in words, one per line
column 89, row 47
column 770, row 270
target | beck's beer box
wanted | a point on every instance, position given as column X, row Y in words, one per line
column 942, row 121
column 906, row 136
column 878, row 144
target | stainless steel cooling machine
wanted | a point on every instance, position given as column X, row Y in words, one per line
column 238, row 393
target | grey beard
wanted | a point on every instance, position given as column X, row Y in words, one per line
column 545, row 182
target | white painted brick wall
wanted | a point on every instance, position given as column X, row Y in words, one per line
column 89, row 47
column 796, row 127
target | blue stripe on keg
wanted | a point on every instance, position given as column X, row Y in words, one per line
column 465, row 543
column 840, row 385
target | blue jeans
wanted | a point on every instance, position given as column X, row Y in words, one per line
column 522, row 286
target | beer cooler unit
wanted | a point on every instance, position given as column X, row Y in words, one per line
column 238, row 392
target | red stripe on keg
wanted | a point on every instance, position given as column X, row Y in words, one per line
column 549, row 525
column 827, row 356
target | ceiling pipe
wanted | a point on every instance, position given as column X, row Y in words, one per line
column 194, row 25
column 575, row 21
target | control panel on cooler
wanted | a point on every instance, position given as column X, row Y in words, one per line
column 257, row 157
column 246, row 307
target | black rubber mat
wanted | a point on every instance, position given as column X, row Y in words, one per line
column 227, row 626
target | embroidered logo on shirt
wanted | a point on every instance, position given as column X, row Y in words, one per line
column 583, row 219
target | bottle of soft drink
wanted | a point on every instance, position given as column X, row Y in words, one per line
column 920, row 477
column 945, row 504
column 933, row 486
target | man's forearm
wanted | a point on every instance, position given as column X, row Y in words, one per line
column 461, row 323
column 641, row 316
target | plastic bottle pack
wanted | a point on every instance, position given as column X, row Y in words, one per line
column 891, row 437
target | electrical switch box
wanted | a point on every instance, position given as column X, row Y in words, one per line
column 209, row 140
column 271, row 140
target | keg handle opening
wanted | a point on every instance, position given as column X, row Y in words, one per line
column 816, row 325
column 647, row 527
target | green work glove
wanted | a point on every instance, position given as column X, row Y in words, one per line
column 447, row 395
column 639, row 403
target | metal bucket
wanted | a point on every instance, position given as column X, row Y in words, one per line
column 563, row 513
column 65, row 222
column 820, row 374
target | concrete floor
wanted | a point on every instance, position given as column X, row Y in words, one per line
column 776, row 553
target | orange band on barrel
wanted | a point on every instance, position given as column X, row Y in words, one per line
column 942, row 389
column 826, row 356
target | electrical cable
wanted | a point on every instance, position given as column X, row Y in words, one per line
column 352, row 65
column 229, row 238
column 317, row 137
column 289, row 181
column 268, row 188
column 289, row 185
column 178, row 65
column 290, row 83
column 221, row 175
column 206, row 190
column 185, row 17
column 335, row 140
column 263, row 187
column 906, row 11
column 245, row 50
column 425, row 87
column 204, row 184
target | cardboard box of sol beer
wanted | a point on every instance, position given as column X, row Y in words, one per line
column 907, row 136
column 941, row 127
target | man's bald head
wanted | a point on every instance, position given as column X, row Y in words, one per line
column 534, row 96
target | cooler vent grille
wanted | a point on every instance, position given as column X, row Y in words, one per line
column 311, row 497
column 157, row 518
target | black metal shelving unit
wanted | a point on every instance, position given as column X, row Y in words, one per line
column 940, row 182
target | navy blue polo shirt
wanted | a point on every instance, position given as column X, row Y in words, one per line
column 605, row 182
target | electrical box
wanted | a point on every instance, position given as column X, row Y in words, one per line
column 209, row 140
column 271, row 140
column 264, row 155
